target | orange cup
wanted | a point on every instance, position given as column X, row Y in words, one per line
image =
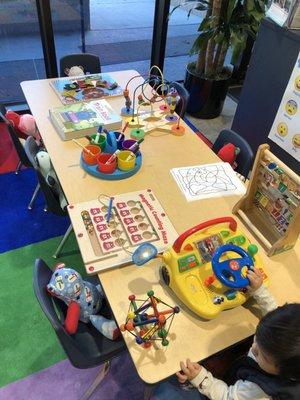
column 106, row 168
column 91, row 159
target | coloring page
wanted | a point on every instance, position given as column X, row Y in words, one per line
column 210, row 180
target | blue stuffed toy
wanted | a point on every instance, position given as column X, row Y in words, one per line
column 84, row 301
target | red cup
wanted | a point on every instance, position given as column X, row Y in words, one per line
column 91, row 159
column 106, row 168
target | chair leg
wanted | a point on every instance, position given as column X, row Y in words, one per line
column 18, row 168
column 148, row 389
column 61, row 244
column 35, row 193
column 99, row 378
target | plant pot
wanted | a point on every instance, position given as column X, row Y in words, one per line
column 207, row 96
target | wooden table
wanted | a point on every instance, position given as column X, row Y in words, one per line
column 190, row 336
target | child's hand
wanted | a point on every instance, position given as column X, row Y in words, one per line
column 255, row 277
column 188, row 371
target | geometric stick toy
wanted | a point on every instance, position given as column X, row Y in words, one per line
column 146, row 323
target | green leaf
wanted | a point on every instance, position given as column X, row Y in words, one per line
column 200, row 42
column 230, row 7
column 219, row 37
column 236, row 51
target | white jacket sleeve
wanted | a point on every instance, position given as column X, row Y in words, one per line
column 215, row 389
column 264, row 299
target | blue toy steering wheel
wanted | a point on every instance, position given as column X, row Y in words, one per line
column 229, row 272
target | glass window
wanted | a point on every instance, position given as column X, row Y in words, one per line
column 182, row 32
column 20, row 48
column 118, row 31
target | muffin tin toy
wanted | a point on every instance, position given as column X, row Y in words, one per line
column 110, row 156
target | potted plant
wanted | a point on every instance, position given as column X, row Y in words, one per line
column 226, row 25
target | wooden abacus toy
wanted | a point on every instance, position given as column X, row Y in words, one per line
column 147, row 327
column 271, row 205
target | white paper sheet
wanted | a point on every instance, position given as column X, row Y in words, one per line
column 209, row 180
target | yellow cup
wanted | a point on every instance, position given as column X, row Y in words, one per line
column 126, row 160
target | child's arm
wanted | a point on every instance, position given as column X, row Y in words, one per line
column 215, row 389
column 260, row 293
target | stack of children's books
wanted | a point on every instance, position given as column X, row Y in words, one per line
column 76, row 120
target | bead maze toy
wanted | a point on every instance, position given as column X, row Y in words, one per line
column 146, row 322
column 271, row 205
column 207, row 266
column 162, row 119
column 109, row 229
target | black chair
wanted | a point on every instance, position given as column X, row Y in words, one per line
column 51, row 198
column 184, row 94
column 89, row 62
column 87, row 348
column 23, row 159
column 245, row 157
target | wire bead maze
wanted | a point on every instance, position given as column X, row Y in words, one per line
column 146, row 323
column 157, row 121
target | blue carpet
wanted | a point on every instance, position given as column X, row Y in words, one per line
column 20, row 226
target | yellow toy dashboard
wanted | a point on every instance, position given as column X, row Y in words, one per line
column 207, row 267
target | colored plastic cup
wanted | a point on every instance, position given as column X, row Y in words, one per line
column 123, row 163
column 101, row 142
column 106, row 168
column 128, row 143
column 119, row 138
column 91, row 159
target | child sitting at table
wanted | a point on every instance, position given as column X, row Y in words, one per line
column 271, row 370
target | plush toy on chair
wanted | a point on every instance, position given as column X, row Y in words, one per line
column 84, row 301
column 77, row 70
column 24, row 125
column 228, row 153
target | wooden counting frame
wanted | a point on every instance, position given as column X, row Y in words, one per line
column 136, row 218
column 271, row 205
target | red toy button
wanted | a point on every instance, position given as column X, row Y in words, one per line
column 234, row 265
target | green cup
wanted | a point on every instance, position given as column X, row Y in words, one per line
column 101, row 142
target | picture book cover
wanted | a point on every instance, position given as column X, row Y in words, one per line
column 74, row 121
column 85, row 88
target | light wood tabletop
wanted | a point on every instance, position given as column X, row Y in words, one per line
column 190, row 336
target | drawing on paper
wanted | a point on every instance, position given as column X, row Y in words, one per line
column 210, row 180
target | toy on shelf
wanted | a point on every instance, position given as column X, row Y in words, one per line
column 110, row 156
column 162, row 119
column 146, row 322
column 109, row 230
column 271, row 205
column 207, row 266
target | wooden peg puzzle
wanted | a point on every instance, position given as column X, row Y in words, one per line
column 107, row 242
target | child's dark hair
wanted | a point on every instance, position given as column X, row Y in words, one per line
column 278, row 334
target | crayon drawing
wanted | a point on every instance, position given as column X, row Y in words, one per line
column 205, row 181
